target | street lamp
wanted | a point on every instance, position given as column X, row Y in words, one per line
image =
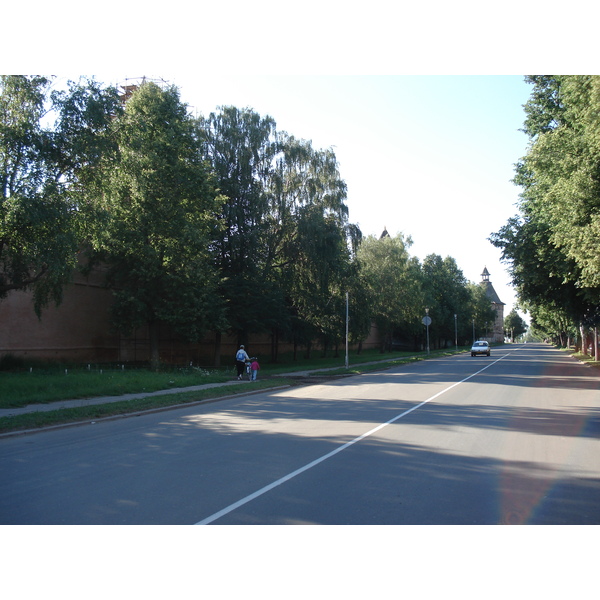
column 455, row 334
column 347, row 361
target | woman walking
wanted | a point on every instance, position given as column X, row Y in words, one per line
column 240, row 361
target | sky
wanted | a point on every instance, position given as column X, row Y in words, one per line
column 422, row 103
column 431, row 157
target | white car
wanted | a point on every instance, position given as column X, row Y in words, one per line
column 480, row 348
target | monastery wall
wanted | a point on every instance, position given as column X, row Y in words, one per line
column 78, row 331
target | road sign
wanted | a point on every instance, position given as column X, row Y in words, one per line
column 427, row 321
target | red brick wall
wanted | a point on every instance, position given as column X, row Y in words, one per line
column 78, row 330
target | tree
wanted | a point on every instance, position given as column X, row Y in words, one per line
column 312, row 244
column 285, row 247
column 392, row 281
column 241, row 147
column 551, row 246
column 567, row 162
column 37, row 244
column 318, row 287
column 156, row 217
column 514, row 325
column 551, row 322
column 40, row 171
column 446, row 295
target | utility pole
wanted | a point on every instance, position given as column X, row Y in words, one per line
column 455, row 334
column 347, row 362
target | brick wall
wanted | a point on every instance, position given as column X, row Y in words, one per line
column 78, row 330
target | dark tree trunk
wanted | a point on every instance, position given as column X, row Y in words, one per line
column 154, row 329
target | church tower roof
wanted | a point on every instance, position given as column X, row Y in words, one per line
column 490, row 292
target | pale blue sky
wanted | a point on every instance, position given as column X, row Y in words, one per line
column 429, row 156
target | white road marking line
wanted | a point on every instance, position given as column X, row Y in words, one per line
column 323, row 458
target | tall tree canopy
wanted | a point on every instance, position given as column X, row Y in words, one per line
column 514, row 325
column 317, row 242
column 156, row 215
column 447, row 294
column 285, row 245
column 45, row 139
column 241, row 147
column 393, row 282
column 552, row 246
column 220, row 223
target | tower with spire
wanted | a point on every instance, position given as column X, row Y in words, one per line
column 498, row 333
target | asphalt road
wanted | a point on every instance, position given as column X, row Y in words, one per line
column 514, row 438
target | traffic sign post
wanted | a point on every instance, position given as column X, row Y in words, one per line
column 427, row 323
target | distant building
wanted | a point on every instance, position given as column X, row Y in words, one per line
column 497, row 335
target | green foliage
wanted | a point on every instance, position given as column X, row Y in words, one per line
column 81, row 135
column 240, row 146
column 42, row 168
column 310, row 250
column 283, row 254
column 480, row 309
column 551, row 246
column 393, row 284
column 37, row 241
column 553, row 322
column 219, row 223
column 156, row 214
column 447, row 294
column 544, row 109
column 514, row 325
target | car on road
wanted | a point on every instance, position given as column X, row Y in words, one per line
column 480, row 348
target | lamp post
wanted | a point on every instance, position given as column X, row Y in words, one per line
column 347, row 330
column 455, row 333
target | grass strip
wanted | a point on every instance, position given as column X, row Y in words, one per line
column 43, row 386
column 21, row 389
column 83, row 414
column 588, row 359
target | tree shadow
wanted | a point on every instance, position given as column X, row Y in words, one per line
column 383, row 483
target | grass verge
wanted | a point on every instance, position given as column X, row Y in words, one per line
column 83, row 414
column 42, row 386
column 586, row 358
column 19, row 389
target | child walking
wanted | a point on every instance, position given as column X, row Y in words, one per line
column 255, row 368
